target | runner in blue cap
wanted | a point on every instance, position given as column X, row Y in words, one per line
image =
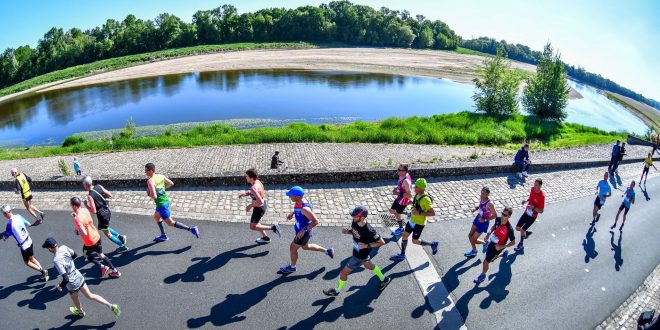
column 305, row 221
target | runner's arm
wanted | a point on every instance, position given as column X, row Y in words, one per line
column 380, row 242
column 493, row 212
column 306, row 211
column 258, row 200
column 79, row 228
column 151, row 189
column 168, row 183
column 17, row 188
column 90, row 204
column 106, row 193
column 407, row 187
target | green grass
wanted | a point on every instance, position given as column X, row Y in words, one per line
column 131, row 60
column 464, row 128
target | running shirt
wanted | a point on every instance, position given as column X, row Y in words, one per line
column 17, row 227
column 484, row 211
column 502, row 233
column 83, row 220
column 630, row 197
column 23, row 185
column 301, row 220
column 537, row 200
column 648, row 162
column 63, row 261
column 99, row 200
column 421, row 203
column 158, row 180
column 366, row 235
column 603, row 189
column 403, row 201
column 257, row 187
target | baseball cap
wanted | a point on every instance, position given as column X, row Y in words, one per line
column 296, row 191
column 360, row 211
column 87, row 180
column 421, row 183
column 49, row 243
column 6, row 208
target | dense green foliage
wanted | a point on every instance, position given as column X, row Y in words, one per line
column 339, row 21
column 546, row 93
column 523, row 53
column 464, row 128
column 496, row 91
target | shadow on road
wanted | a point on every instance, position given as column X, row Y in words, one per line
column 73, row 319
column 646, row 194
column 195, row 273
column 618, row 260
column 589, row 244
column 42, row 297
column 451, row 277
column 34, row 282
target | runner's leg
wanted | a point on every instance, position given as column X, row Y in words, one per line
column 314, row 247
column 28, row 207
column 94, row 297
column 76, row 300
column 159, row 221
column 293, row 249
column 34, row 264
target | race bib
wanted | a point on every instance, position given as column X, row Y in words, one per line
column 626, row 201
column 530, row 211
column 356, row 247
column 494, row 239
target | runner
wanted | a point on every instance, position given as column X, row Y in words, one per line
column 365, row 239
column 480, row 223
column 403, row 193
column 535, row 206
column 97, row 203
column 258, row 206
column 156, row 185
column 629, row 198
column 497, row 238
column 603, row 190
column 72, row 279
column 422, row 207
column 306, row 220
column 17, row 228
column 84, row 226
column 23, row 186
column 648, row 162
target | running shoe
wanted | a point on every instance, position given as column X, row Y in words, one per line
column 519, row 247
column 398, row 257
column 263, row 240
column 276, row 230
column 485, row 248
column 397, row 231
column 331, row 292
column 505, row 254
column 330, row 252
column 612, row 227
column 470, row 253
column 195, row 231
column 434, row 247
column 384, row 283
column 621, row 228
column 528, row 234
column 104, row 270
column 161, row 238
column 46, row 276
column 115, row 311
column 37, row 222
column 288, row 269
column 115, row 273
column 77, row 312
column 480, row 278
column 122, row 249
column 122, row 239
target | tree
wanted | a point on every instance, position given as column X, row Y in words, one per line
column 546, row 94
column 496, row 91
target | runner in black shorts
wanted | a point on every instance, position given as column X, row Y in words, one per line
column 497, row 238
column 97, row 203
column 628, row 200
column 403, row 193
column 535, row 205
column 258, row 206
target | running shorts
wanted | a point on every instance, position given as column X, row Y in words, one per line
column 355, row 262
column 525, row 221
column 29, row 198
column 164, row 211
column 304, row 239
column 71, row 292
column 398, row 207
column 104, row 218
column 415, row 229
column 88, row 250
column 492, row 252
column 624, row 207
column 482, row 227
column 598, row 202
column 258, row 213
column 27, row 253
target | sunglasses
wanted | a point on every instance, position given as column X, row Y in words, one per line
column 506, row 215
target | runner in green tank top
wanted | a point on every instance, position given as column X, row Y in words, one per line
column 156, row 189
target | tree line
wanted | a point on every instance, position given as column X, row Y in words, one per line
column 524, row 54
column 338, row 21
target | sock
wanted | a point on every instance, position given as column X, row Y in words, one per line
column 96, row 262
column 403, row 246
column 162, row 229
column 340, row 285
column 115, row 240
column 113, row 232
column 522, row 238
column 376, row 271
column 180, row 225
column 425, row 242
column 108, row 263
column 400, row 222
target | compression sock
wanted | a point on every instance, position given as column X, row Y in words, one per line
column 425, row 243
column 108, row 263
column 376, row 271
column 404, row 243
column 181, row 226
column 113, row 236
column 161, row 227
column 522, row 238
column 113, row 232
column 340, row 285
column 400, row 223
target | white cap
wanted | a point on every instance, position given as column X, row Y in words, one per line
column 87, row 180
column 6, row 208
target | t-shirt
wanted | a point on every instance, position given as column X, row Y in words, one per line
column 97, row 196
column 648, row 162
column 365, row 234
column 630, row 197
column 502, row 233
column 63, row 261
column 421, row 203
column 603, row 189
column 17, row 227
column 537, row 200
column 83, row 220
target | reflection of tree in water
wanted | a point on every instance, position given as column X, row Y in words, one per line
column 14, row 114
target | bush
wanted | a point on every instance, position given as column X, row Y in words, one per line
column 129, row 129
column 73, row 140
column 63, row 168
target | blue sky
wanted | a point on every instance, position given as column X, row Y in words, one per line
column 618, row 39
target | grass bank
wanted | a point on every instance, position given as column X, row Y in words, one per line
column 131, row 60
column 462, row 128
column 650, row 116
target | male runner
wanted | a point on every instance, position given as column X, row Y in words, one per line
column 258, row 205
column 648, row 162
column 17, row 228
column 480, row 223
column 603, row 190
column 72, row 279
column 422, row 207
column 156, row 185
column 97, row 203
column 629, row 198
column 403, row 193
column 23, row 186
column 535, row 206
column 365, row 238
column 497, row 238
column 306, row 220
column 91, row 239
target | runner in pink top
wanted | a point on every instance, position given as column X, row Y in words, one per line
column 403, row 193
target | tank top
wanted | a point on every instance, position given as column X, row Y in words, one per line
column 403, row 201
column 259, row 187
column 97, row 195
column 85, row 221
column 161, row 194
column 23, row 183
column 301, row 220
column 484, row 212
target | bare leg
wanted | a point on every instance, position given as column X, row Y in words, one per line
column 30, row 208
column 473, row 230
column 293, row 249
column 34, row 264
column 76, row 300
column 314, row 247
column 260, row 228
column 89, row 295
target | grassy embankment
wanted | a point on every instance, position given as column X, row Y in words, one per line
column 132, row 60
column 650, row 116
column 462, row 128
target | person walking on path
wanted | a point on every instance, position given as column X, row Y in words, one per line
column 622, row 152
column 603, row 190
column 76, row 166
column 422, row 208
column 481, row 221
column 73, row 280
column 628, row 199
column 365, row 239
column 258, row 206
column 17, row 228
column 97, row 203
column 522, row 160
column 306, row 220
column 22, row 183
column 615, row 155
column 156, row 189
column 648, row 162
column 92, row 247
column 403, row 193
column 499, row 237
column 535, row 205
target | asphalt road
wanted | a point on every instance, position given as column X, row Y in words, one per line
column 569, row 277
column 222, row 279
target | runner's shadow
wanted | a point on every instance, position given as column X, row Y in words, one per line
column 196, row 271
column 32, row 283
column 513, row 181
column 589, row 244
column 229, row 310
column 450, row 278
column 646, row 194
column 618, row 260
column 73, row 319
column 123, row 259
column 616, row 181
column 41, row 297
